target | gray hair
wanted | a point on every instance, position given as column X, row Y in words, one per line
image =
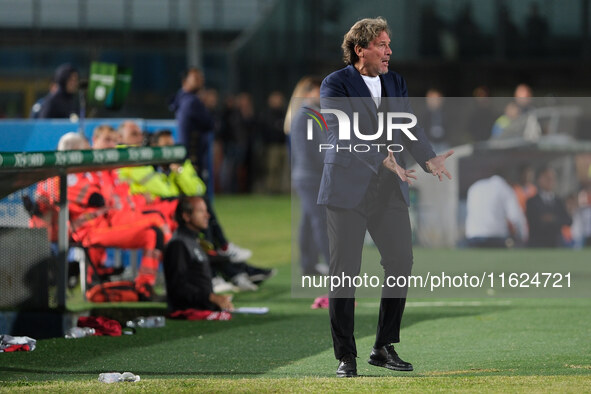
column 72, row 141
column 362, row 33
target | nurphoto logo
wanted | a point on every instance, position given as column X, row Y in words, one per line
column 344, row 130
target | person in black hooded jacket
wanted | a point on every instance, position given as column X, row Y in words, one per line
column 195, row 123
column 62, row 102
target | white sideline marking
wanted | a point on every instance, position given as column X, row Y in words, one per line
column 440, row 303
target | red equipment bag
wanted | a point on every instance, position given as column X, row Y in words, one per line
column 118, row 291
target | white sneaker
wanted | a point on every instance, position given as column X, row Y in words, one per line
column 221, row 286
column 235, row 253
column 244, row 283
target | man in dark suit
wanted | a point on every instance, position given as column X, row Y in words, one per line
column 195, row 123
column 368, row 189
column 546, row 213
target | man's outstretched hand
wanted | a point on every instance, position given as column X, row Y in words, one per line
column 404, row 174
column 437, row 165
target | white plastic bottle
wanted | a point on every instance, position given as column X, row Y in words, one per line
column 147, row 322
column 155, row 321
column 79, row 332
column 116, row 377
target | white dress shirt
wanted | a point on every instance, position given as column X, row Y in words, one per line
column 491, row 205
column 375, row 88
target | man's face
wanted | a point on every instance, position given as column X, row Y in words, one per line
column 194, row 81
column 210, row 98
column 106, row 140
column 132, row 134
column 374, row 59
column 72, row 83
column 529, row 175
column 199, row 218
column 523, row 95
column 547, row 180
column 276, row 100
column 434, row 99
column 165, row 140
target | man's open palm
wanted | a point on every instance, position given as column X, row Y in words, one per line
column 437, row 165
column 404, row 174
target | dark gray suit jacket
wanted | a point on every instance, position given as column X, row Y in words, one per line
column 346, row 175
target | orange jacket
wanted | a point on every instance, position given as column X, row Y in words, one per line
column 47, row 199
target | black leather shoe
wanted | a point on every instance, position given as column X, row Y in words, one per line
column 387, row 357
column 347, row 367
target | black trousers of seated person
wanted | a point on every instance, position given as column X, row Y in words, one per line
column 384, row 213
column 222, row 265
column 214, row 232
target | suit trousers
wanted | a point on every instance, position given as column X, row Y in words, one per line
column 384, row 213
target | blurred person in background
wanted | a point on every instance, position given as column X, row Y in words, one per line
column 306, row 172
column 131, row 134
column 195, row 122
column 512, row 112
column 146, row 182
column 581, row 228
column 62, row 103
column 525, row 187
column 223, row 138
column 434, row 121
column 546, row 213
column 44, row 208
column 513, row 119
column 238, row 137
column 274, row 144
column 210, row 98
column 523, row 97
column 494, row 218
column 481, row 116
column 568, row 235
column 36, row 108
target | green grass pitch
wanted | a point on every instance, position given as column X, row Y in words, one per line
column 516, row 345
